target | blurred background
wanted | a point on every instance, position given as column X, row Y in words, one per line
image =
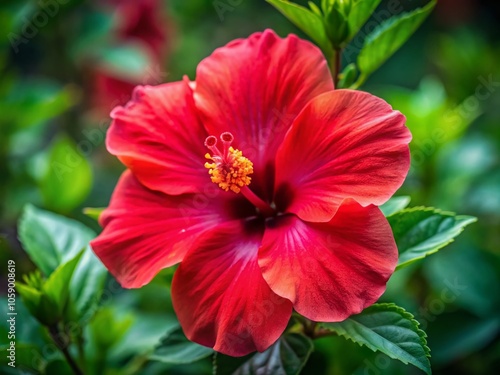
column 64, row 64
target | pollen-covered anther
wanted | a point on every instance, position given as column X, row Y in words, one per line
column 228, row 168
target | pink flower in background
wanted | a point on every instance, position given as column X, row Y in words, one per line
column 264, row 183
column 144, row 25
column 143, row 20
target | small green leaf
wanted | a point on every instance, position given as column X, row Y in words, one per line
column 384, row 41
column 360, row 11
column 395, row 204
column 315, row 8
column 68, row 178
column 421, row 231
column 306, row 20
column 336, row 26
column 31, row 297
column 348, row 76
column 51, row 239
column 93, row 212
column 177, row 349
column 389, row 329
column 287, row 356
column 325, row 5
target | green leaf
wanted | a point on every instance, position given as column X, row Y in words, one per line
column 325, row 5
column 359, row 14
column 306, row 20
column 422, row 231
column 336, row 26
column 287, row 356
column 93, row 32
column 87, row 285
column 68, row 178
column 175, row 348
column 108, row 327
column 57, row 286
column 51, row 239
column 145, row 333
column 389, row 329
column 31, row 102
column 30, row 296
column 395, row 204
column 384, row 41
column 48, row 303
column 130, row 61
column 347, row 77
column 25, row 354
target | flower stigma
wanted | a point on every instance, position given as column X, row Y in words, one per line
column 229, row 169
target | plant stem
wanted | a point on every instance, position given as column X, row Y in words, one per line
column 81, row 351
column 336, row 65
column 55, row 334
column 320, row 332
column 136, row 364
column 310, row 329
column 361, row 79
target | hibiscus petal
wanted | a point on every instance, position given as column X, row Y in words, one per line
column 146, row 231
column 254, row 88
column 330, row 270
column 159, row 137
column 220, row 297
column 344, row 144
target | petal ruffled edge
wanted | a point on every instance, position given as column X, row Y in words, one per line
column 146, row 231
column 158, row 136
column 254, row 88
column 220, row 296
column 344, row 144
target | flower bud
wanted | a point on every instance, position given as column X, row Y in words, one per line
column 335, row 20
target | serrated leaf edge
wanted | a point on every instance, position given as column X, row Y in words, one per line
column 402, row 312
column 387, row 24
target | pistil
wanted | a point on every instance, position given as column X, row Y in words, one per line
column 264, row 208
column 230, row 170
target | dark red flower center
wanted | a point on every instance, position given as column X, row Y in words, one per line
column 230, row 170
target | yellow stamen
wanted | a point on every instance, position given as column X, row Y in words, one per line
column 230, row 173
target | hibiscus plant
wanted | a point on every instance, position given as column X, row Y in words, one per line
column 267, row 184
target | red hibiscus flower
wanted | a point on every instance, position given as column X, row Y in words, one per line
column 263, row 182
